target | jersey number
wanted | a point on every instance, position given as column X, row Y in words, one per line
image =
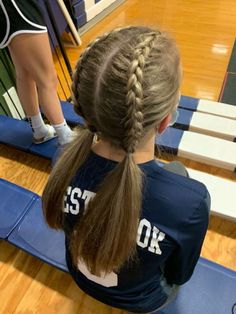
column 108, row 280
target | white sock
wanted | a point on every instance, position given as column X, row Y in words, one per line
column 38, row 126
column 64, row 133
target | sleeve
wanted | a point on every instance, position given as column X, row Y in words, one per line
column 181, row 263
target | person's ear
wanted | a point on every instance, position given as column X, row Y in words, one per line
column 164, row 124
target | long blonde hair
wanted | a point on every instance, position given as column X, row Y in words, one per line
column 124, row 82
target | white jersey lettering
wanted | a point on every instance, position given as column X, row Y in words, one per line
column 66, row 205
column 87, row 195
column 75, row 195
column 157, row 237
column 144, row 224
column 148, row 236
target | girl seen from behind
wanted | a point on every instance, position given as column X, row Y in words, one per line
column 134, row 230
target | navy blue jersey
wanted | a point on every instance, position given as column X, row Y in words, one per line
column 171, row 231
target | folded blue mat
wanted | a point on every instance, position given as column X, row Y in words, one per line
column 15, row 203
column 170, row 140
column 183, row 121
column 18, row 133
column 35, row 237
column 15, row 132
column 211, row 290
column 47, row 149
column 189, row 103
column 70, row 116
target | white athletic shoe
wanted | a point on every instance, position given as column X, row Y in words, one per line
column 49, row 136
column 69, row 138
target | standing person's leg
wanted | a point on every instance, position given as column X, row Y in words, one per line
column 27, row 92
column 36, row 78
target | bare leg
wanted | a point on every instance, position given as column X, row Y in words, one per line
column 37, row 79
column 26, row 89
column 33, row 61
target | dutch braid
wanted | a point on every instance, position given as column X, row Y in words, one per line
column 133, row 123
column 79, row 68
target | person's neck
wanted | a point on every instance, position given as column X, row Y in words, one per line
column 143, row 153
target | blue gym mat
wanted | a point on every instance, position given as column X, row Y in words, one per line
column 47, row 149
column 183, row 121
column 35, row 237
column 15, row 203
column 189, row 103
column 17, row 133
column 211, row 290
column 70, row 116
column 169, row 141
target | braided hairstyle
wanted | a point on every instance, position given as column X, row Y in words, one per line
column 124, row 84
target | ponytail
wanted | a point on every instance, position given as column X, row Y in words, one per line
column 67, row 165
column 105, row 236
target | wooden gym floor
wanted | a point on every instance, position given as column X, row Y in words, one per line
column 205, row 33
